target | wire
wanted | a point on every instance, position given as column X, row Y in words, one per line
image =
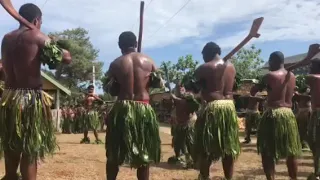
column 170, row 19
column 44, row 4
column 133, row 26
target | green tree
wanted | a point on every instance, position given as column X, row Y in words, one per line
column 84, row 57
column 247, row 63
column 185, row 67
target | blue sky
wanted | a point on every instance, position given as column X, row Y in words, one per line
column 290, row 25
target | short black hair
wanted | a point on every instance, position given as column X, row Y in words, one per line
column 277, row 56
column 91, row 86
column 30, row 12
column 127, row 39
column 211, row 49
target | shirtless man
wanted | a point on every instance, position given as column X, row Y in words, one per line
column 186, row 106
column 91, row 119
column 216, row 128
column 278, row 135
column 252, row 116
column 20, row 52
column 303, row 114
column 132, row 128
column 313, row 80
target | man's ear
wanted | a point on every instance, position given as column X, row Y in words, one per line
column 136, row 45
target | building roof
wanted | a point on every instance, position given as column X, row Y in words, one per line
column 290, row 59
column 293, row 59
column 56, row 83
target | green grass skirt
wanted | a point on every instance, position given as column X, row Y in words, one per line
column 252, row 119
column 278, row 135
column 26, row 123
column 91, row 120
column 314, row 130
column 217, row 131
column 132, row 134
column 184, row 136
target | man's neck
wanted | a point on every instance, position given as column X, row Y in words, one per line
column 127, row 51
column 215, row 59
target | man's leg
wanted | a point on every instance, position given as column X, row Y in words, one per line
column 205, row 164
column 316, row 159
column 292, row 166
column 268, row 166
column 96, row 135
column 112, row 170
column 85, row 139
column 143, row 173
column 228, row 165
column 12, row 161
column 248, row 124
column 28, row 169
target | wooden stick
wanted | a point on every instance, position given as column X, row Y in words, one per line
column 7, row 5
column 253, row 33
column 141, row 26
column 314, row 49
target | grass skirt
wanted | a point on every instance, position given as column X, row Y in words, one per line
column 26, row 123
column 252, row 119
column 184, row 136
column 91, row 120
column 314, row 130
column 216, row 131
column 278, row 135
column 132, row 134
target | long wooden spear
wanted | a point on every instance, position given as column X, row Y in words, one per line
column 141, row 26
column 253, row 33
column 7, row 5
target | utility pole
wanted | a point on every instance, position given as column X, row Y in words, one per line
column 93, row 77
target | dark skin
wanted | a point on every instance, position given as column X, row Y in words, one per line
column 88, row 104
column 21, row 66
column 132, row 73
column 280, row 85
column 253, row 105
column 182, row 115
column 313, row 80
column 217, row 78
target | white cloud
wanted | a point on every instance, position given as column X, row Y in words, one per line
column 105, row 20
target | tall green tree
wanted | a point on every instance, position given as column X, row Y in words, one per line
column 185, row 66
column 84, row 55
column 247, row 63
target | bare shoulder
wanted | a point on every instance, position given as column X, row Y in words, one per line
column 40, row 38
column 143, row 57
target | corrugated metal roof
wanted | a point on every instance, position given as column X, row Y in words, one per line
column 293, row 59
column 290, row 59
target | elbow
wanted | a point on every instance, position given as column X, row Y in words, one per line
column 253, row 91
column 66, row 57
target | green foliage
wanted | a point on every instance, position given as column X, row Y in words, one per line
column 247, row 63
column 83, row 59
column 301, row 83
column 107, row 97
column 181, row 71
column 51, row 55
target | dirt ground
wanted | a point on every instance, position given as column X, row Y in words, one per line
column 76, row 161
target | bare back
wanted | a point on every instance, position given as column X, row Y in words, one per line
column 132, row 72
column 313, row 80
column 20, row 55
column 217, row 79
column 280, row 87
